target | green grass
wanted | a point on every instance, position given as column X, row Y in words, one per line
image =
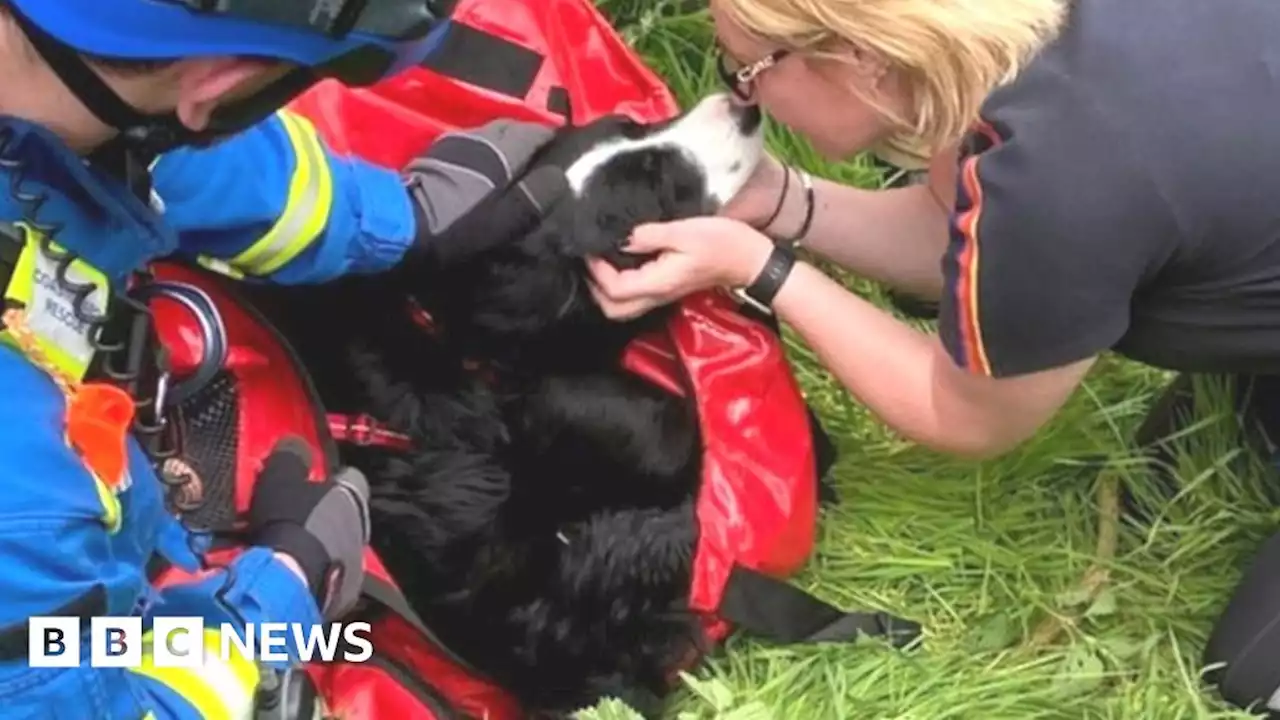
column 982, row 553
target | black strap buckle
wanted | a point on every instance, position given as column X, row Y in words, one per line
column 777, row 611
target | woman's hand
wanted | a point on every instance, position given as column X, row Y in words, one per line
column 692, row 255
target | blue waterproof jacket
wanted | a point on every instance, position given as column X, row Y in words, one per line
column 271, row 204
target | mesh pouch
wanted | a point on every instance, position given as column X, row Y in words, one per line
column 210, row 422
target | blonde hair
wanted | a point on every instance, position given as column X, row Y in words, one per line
column 950, row 54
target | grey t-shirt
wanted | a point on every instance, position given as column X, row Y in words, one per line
column 1124, row 193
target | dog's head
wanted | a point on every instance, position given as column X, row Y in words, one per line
column 621, row 174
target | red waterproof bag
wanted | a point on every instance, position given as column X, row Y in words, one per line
column 759, row 497
column 545, row 61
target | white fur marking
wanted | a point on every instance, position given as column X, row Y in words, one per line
column 708, row 135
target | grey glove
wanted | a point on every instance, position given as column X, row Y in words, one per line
column 475, row 190
column 324, row 526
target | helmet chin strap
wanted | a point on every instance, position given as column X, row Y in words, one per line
column 148, row 134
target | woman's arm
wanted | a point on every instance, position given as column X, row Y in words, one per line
column 1042, row 258
column 907, row 379
column 896, row 237
column 904, row 376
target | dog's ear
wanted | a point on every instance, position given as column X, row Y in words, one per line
column 601, row 226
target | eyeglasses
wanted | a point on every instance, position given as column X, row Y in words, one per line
column 742, row 80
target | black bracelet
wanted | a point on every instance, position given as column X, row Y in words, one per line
column 809, row 203
column 765, row 287
column 782, row 199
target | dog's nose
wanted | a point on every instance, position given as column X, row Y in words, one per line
column 748, row 117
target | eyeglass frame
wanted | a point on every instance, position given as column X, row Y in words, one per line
column 746, row 75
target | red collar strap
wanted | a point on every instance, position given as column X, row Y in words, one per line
column 366, row 431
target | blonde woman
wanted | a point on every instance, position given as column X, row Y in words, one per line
column 1103, row 175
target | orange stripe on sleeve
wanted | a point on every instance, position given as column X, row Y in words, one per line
column 968, row 262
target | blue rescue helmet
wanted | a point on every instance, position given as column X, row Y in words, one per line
column 357, row 42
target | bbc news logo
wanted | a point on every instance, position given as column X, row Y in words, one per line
column 182, row 642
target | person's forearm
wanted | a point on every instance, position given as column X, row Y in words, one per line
column 887, row 365
column 896, row 237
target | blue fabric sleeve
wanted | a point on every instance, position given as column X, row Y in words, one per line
column 260, row 589
column 223, row 198
column 55, row 548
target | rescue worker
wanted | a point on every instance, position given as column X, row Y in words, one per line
column 94, row 93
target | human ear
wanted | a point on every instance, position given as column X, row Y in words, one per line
column 869, row 64
column 206, row 83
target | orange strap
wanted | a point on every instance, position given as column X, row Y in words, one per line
column 98, row 416
column 98, row 420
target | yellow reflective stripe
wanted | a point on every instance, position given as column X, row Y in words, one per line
column 306, row 209
column 110, row 505
column 60, row 336
column 111, row 512
column 219, row 690
column 23, row 276
column 20, row 280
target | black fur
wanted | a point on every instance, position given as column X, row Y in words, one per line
column 543, row 526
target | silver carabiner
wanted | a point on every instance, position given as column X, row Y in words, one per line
column 213, row 336
column 162, row 390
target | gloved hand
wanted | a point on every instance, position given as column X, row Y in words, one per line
column 475, row 190
column 323, row 526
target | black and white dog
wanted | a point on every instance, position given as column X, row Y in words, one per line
column 542, row 524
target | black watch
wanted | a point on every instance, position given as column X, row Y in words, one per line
column 761, row 292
